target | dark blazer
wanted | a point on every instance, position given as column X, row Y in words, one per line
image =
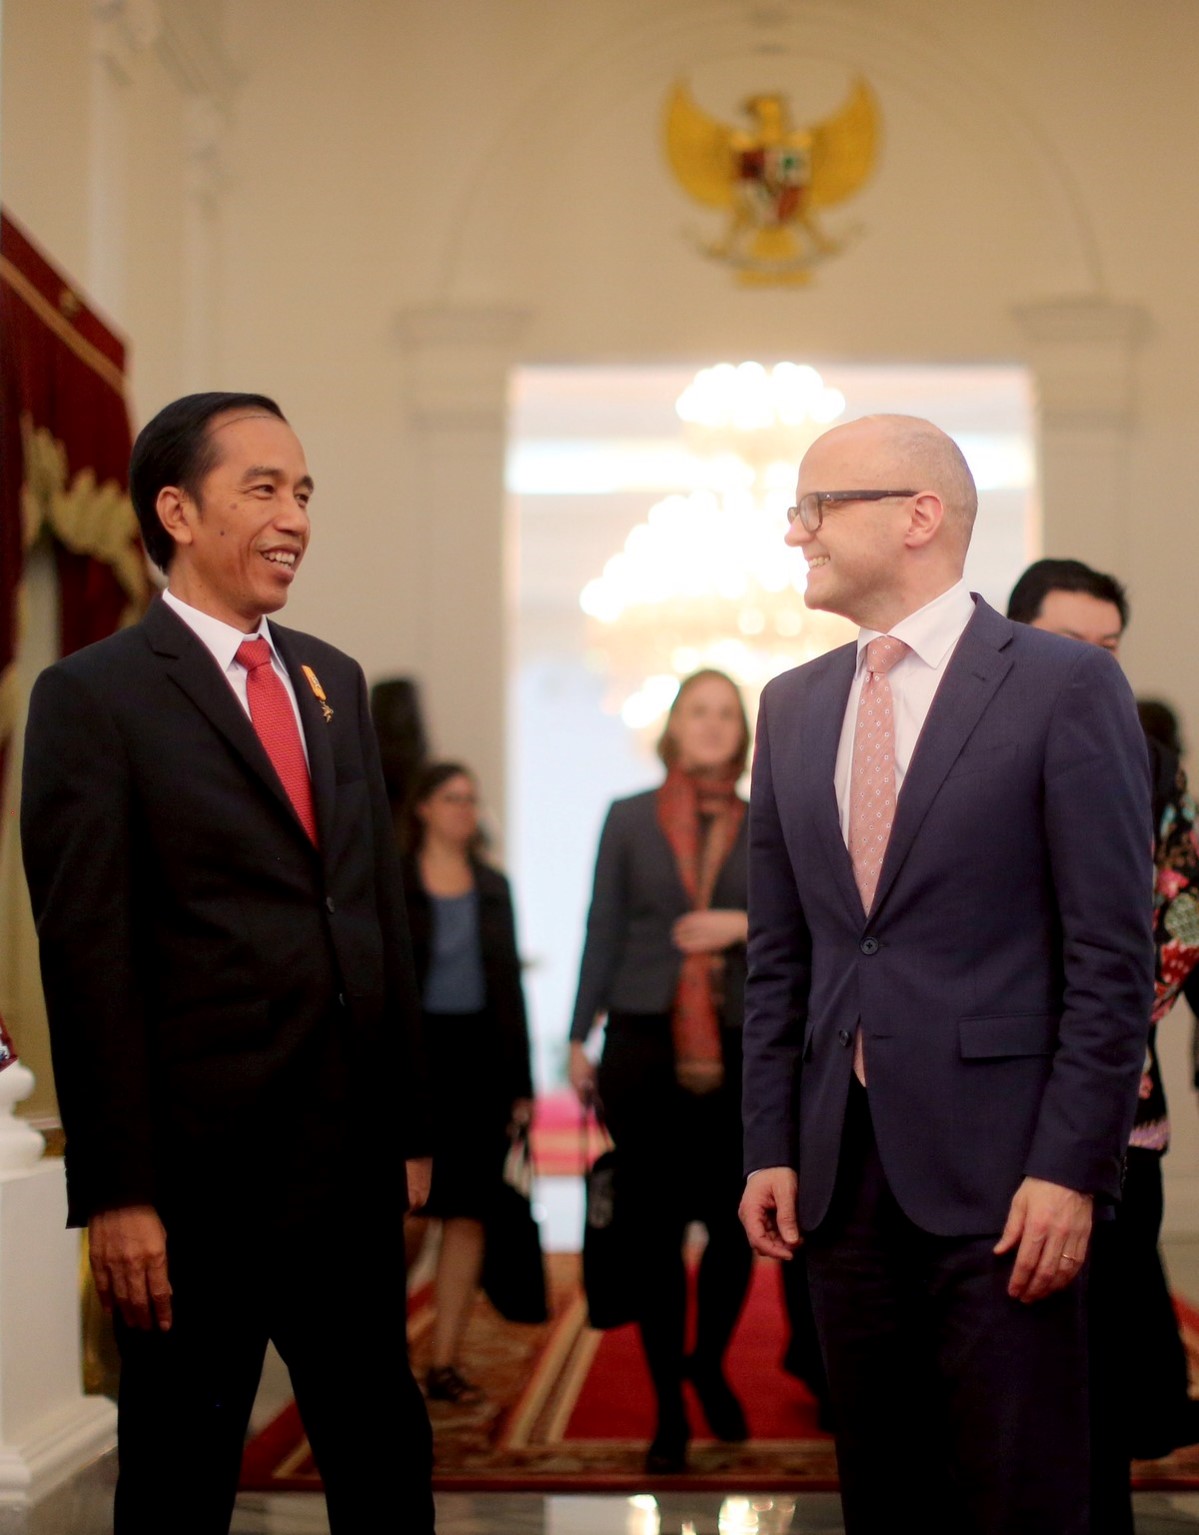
column 501, row 965
column 630, row 963
column 1005, row 975
column 206, row 968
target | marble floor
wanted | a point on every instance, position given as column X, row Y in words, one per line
column 84, row 1505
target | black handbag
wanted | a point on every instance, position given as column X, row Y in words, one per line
column 513, row 1277
column 609, row 1248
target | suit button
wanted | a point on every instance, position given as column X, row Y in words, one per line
column 329, row 906
column 844, row 1036
column 869, row 945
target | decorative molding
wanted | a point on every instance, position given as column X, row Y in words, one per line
column 1082, row 352
column 206, row 128
column 122, row 29
column 459, row 361
column 195, row 57
column 56, row 1450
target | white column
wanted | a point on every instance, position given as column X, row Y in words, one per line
column 1082, row 352
column 458, row 365
column 121, row 30
column 206, row 125
column 48, row 1428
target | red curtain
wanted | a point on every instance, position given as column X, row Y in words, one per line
column 64, row 457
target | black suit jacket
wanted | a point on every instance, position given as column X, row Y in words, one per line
column 224, row 997
column 630, row 963
column 501, row 967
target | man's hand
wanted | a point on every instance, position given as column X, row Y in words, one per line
column 708, row 932
column 1053, row 1227
column 419, row 1172
column 128, row 1250
column 768, row 1212
column 582, row 1074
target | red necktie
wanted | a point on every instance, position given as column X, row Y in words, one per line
column 872, row 783
column 275, row 721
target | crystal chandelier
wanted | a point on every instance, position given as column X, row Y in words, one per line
column 706, row 579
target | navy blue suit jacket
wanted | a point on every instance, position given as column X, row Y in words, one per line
column 1003, row 980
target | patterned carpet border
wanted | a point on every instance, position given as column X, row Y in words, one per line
column 515, row 1439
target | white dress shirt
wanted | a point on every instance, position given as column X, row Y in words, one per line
column 222, row 641
column 931, row 634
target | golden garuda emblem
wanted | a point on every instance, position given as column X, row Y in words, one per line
column 773, row 179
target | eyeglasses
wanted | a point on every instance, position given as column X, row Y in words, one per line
column 810, row 508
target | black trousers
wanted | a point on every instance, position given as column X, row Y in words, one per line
column 1140, row 1403
column 323, row 1289
column 947, row 1395
column 679, row 1161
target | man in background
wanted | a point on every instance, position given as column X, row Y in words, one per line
column 1141, row 1403
column 232, row 1009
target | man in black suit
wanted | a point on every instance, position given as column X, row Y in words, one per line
column 232, row 1008
column 1140, row 1402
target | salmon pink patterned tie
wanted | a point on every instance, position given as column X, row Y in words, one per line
column 275, row 721
column 872, row 784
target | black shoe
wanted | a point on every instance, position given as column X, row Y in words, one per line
column 444, row 1384
column 723, row 1411
column 667, row 1455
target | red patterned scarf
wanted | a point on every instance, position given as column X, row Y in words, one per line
column 700, row 819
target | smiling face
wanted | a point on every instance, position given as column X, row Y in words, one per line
column 707, row 727
column 239, row 544
column 854, row 557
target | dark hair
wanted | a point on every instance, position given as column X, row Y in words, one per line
column 667, row 747
column 175, row 448
column 1045, row 576
column 426, row 784
column 1160, row 723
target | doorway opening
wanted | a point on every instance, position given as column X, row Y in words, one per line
column 647, row 506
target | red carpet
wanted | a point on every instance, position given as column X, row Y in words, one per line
column 568, row 1409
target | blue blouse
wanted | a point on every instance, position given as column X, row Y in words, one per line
column 455, row 983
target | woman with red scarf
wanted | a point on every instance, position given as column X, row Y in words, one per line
column 665, row 960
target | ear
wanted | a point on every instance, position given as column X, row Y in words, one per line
column 175, row 510
column 927, row 517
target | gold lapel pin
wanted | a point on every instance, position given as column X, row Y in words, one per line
column 315, row 684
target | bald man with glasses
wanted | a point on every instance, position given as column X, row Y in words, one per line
column 950, row 974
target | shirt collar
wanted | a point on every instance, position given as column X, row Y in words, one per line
column 222, row 639
column 933, row 630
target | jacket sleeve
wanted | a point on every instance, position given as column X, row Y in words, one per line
column 607, row 922
column 78, row 816
column 1098, row 828
column 407, row 1087
column 776, row 987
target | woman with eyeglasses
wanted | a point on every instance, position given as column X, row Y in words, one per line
column 476, row 1041
column 664, row 959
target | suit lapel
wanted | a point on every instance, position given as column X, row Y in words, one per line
column 191, row 667
column 975, row 671
column 823, row 717
column 316, row 734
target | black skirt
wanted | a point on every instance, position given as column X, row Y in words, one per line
column 471, row 1111
column 679, row 1152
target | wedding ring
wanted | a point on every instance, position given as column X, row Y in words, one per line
column 1066, row 1258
